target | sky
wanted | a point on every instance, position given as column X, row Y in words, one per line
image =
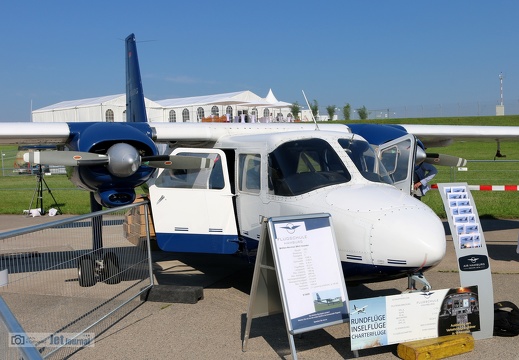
column 369, row 53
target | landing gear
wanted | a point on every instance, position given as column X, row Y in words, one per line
column 90, row 271
column 101, row 266
column 86, row 271
column 412, row 279
column 110, row 269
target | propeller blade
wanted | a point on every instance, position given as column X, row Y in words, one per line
column 177, row 162
column 445, row 160
column 66, row 158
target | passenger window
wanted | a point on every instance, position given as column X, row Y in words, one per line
column 249, row 173
column 199, row 178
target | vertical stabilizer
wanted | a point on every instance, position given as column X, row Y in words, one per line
column 135, row 107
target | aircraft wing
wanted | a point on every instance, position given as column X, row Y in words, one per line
column 34, row 133
column 444, row 135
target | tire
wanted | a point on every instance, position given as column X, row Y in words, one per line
column 86, row 271
column 110, row 272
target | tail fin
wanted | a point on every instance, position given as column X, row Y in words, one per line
column 135, row 107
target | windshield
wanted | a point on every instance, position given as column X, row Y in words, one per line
column 297, row 167
column 365, row 159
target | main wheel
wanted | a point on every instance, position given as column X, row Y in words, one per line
column 110, row 273
column 86, row 271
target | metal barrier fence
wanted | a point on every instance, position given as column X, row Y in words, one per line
column 63, row 288
column 478, row 172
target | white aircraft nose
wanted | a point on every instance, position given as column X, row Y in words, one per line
column 402, row 231
column 412, row 236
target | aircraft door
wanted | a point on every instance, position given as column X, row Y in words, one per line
column 249, row 202
column 398, row 157
column 193, row 208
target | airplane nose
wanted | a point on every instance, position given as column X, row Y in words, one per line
column 401, row 230
column 419, row 232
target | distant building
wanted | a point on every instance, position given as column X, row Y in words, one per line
column 110, row 108
column 500, row 110
column 234, row 107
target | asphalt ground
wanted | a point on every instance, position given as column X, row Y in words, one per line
column 213, row 328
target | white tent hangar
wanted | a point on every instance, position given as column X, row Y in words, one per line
column 111, row 108
column 228, row 106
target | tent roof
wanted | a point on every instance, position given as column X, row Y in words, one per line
column 233, row 97
column 271, row 98
column 82, row 102
column 119, row 99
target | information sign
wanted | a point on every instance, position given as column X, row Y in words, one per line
column 309, row 283
column 471, row 250
column 413, row 316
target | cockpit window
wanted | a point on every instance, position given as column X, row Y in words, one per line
column 365, row 160
column 297, row 167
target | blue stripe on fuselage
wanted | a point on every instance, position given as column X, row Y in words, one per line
column 198, row 243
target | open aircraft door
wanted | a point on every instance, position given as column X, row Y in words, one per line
column 193, row 209
column 250, row 200
column 397, row 156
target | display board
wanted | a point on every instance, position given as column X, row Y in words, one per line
column 298, row 271
column 471, row 250
column 394, row 319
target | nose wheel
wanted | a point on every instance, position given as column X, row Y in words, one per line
column 91, row 270
column 413, row 279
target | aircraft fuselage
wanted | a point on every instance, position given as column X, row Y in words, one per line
column 381, row 232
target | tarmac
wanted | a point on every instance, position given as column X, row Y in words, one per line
column 213, row 328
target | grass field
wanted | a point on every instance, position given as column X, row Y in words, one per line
column 17, row 191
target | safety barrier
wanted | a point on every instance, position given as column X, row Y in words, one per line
column 9, row 325
column 71, row 279
column 483, row 175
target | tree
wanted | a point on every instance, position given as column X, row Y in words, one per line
column 331, row 111
column 363, row 113
column 295, row 109
column 346, row 111
column 315, row 109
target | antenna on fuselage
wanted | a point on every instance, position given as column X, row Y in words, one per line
column 311, row 112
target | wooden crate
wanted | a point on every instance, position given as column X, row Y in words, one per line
column 436, row 348
column 134, row 225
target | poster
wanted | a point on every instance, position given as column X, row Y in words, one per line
column 471, row 251
column 310, row 273
column 413, row 316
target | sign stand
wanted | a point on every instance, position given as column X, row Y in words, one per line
column 471, row 250
column 298, row 272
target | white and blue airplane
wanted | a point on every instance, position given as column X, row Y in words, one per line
column 216, row 182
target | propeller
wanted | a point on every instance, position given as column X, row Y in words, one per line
column 445, row 160
column 66, row 158
column 121, row 160
column 438, row 159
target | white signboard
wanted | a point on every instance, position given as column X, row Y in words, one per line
column 413, row 316
column 298, row 270
column 309, row 272
column 471, row 250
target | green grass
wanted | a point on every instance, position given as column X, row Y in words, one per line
column 17, row 191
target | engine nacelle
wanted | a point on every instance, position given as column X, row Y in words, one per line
column 111, row 188
column 115, row 197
